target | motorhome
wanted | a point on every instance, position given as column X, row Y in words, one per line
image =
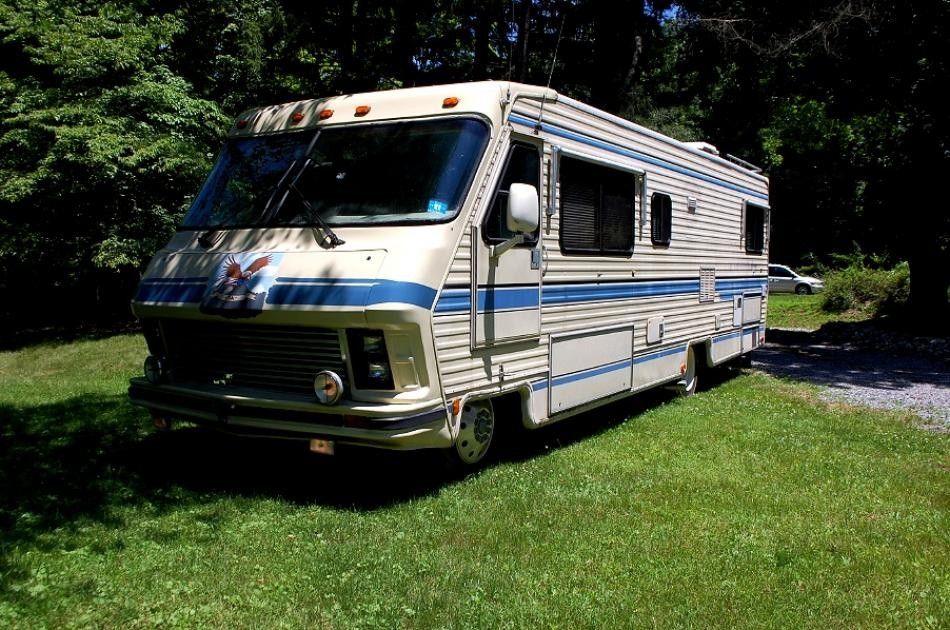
column 414, row 268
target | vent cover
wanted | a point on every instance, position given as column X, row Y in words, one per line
column 707, row 284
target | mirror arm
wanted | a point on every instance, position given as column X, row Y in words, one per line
column 497, row 250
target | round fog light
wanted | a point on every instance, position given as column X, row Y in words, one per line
column 154, row 369
column 328, row 387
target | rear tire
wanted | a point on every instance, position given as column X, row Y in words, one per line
column 687, row 385
column 803, row 289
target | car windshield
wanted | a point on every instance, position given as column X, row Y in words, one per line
column 402, row 172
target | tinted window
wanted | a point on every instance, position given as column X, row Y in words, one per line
column 754, row 228
column 408, row 171
column 780, row 272
column 597, row 205
column 523, row 167
column 661, row 219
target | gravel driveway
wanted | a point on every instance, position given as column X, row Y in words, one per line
column 862, row 377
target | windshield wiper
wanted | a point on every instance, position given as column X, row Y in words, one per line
column 267, row 214
column 329, row 236
column 277, row 200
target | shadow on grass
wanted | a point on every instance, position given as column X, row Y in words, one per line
column 82, row 458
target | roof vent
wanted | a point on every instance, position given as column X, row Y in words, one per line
column 703, row 146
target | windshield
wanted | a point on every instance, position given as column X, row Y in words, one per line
column 402, row 172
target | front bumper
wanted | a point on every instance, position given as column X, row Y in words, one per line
column 381, row 426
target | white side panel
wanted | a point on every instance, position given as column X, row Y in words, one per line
column 751, row 309
column 750, row 339
column 658, row 367
column 589, row 366
column 587, row 351
column 725, row 347
column 492, row 325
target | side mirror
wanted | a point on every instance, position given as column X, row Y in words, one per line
column 524, row 212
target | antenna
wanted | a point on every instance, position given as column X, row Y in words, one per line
column 557, row 45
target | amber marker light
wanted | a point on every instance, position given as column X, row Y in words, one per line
column 241, row 124
column 456, row 406
column 450, row 101
column 326, row 113
column 296, row 117
column 361, row 110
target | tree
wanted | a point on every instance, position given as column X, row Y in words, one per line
column 841, row 101
column 100, row 144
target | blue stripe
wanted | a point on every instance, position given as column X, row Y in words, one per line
column 504, row 298
column 730, row 284
column 614, row 291
column 604, row 369
column 727, row 337
column 453, row 300
column 657, row 355
column 643, row 157
column 348, row 292
column 591, row 373
column 299, row 291
column 192, row 280
column 172, row 293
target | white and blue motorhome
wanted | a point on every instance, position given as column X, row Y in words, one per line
column 410, row 269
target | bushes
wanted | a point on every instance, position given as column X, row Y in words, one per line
column 878, row 291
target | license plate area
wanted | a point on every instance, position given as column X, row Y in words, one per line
column 322, row 447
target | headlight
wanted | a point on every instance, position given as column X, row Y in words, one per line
column 370, row 359
column 328, row 387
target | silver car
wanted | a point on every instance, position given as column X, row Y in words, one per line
column 783, row 280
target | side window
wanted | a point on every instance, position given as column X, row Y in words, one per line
column 661, row 219
column 754, row 228
column 597, row 206
column 523, row 167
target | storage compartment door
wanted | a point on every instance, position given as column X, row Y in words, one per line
column 590, row 365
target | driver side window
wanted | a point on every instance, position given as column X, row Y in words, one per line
column 523, row 167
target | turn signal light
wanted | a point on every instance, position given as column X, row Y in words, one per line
column 450, row 101
column 362, row 110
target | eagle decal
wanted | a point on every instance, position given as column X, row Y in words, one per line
column 239, row 288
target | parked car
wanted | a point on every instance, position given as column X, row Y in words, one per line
column 783, row 280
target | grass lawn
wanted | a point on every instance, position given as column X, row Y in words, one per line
column 788, row 310
column 751, row 504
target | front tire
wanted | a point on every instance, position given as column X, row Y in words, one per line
column 803, row 289
column 477, row 429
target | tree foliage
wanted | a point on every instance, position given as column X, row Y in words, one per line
column 110, row 114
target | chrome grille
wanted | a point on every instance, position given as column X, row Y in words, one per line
column 281, row 358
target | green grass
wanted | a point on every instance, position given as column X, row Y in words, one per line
column 787, row 310
column 747, row 505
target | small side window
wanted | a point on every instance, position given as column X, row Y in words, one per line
column 754, row 228
column 523, row 167
column 661, row 219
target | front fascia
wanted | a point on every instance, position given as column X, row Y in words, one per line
column 384, row 277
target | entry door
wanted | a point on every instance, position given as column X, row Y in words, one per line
column 506, row 289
